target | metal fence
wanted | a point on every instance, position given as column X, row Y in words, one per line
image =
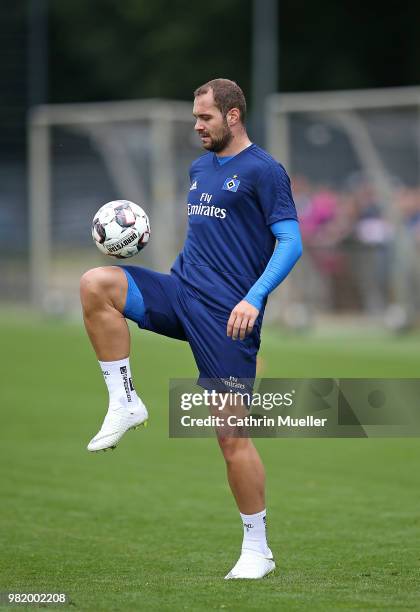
column 354, row 158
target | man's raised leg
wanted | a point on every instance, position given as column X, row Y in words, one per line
column 103, row 294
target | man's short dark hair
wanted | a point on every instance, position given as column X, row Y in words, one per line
column 227, row 94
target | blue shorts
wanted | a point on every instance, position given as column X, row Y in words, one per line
column 173, row 309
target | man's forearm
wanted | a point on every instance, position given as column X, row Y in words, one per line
column 286, row 254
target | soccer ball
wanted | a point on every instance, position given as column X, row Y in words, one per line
column 120, row 229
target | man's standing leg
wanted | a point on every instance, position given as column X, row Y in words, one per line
column 246, row 477
column 103, row 294
column 216, row 356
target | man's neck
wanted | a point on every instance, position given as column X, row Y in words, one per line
column 236, row 145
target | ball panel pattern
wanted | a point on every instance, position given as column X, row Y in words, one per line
column 120, row 229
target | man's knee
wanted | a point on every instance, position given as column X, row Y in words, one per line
column 232, row 447
column 102, row 285
column 94, row 282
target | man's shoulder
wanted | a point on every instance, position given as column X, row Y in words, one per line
column 263, row 160
column 201, row 162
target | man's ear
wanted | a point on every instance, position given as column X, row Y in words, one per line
column 233, row 117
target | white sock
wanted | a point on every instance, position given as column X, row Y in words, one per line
column 117, row 375
column 255, row 537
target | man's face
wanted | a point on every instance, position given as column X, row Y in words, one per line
column 210, row 124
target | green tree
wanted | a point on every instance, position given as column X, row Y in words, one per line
column 102, row 49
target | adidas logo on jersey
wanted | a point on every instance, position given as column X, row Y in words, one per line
column 194, row 185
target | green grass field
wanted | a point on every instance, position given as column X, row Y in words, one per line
column 152, row 526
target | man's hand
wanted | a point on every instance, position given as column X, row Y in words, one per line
column 241, row 320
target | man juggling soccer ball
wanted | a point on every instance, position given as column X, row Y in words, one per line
column 239, row 204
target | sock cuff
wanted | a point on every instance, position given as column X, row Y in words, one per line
column 250, row 517
column 110, row 364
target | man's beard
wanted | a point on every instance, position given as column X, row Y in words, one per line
column 218, row 144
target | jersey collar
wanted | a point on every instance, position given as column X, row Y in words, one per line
column 234, row 157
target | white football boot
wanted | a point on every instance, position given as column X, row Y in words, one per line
column 120, row 418
column 252, row 565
